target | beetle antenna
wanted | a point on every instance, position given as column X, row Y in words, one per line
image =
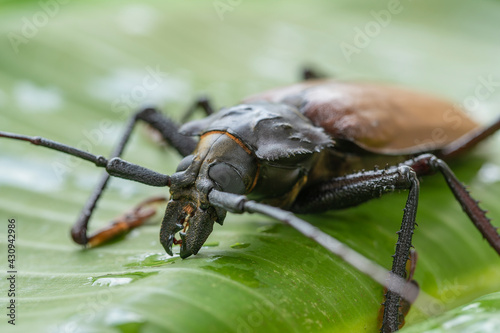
column 115, row 166
column 240, row 204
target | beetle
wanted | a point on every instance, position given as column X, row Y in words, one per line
column 291, row 150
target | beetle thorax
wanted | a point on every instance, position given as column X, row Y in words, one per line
column 220, row 161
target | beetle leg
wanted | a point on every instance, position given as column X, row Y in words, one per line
column 310, row 74
column 165, row 126
column 126, row 222
column 115, row 166
column 394, row 281
column 427, row 164
column 202, row 102
column 411, row 266
column 404, row 304
column 168, row 130
column 354, row 189
column 468, row 141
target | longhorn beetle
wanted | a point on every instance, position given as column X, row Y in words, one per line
column 290, row 150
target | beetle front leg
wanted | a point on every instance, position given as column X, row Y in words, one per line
column 114, row 167
column 169, row 131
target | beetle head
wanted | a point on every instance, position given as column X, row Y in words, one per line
column 189, row 212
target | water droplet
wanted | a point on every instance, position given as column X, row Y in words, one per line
column 112, row 280
column 273, row 228
column 211, row 244
column 237, row 269
column 31, row 98
column 489, row 173
column 240, row 245
column 152, row 260
column 124, row 320
column 473, row 306
column 457, row 321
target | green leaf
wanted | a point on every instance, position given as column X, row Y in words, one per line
column 74, row 72
column 480, row 316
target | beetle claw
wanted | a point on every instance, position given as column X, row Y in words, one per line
column 168, row 244
column 184, row 253
column 168, row 230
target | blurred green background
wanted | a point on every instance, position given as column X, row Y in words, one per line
column 73, row 71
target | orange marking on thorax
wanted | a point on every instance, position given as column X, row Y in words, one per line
column 255, row 178
column 232, row 137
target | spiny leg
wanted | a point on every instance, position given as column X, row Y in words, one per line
column 344, row 192
column 169, row 131
column 411, row 266
column 354, row 189
column 404, row 304
column 428, row 164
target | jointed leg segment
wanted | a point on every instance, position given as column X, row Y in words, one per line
column 169, row 131
column 354, row 189
column 126, row 222
column 429, row 164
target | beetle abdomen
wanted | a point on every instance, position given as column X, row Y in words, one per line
column 378, row 118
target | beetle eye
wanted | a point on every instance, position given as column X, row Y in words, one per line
column 185, row 163
column 227, row 178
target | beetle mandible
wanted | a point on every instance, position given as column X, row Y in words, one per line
column 292, row 149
